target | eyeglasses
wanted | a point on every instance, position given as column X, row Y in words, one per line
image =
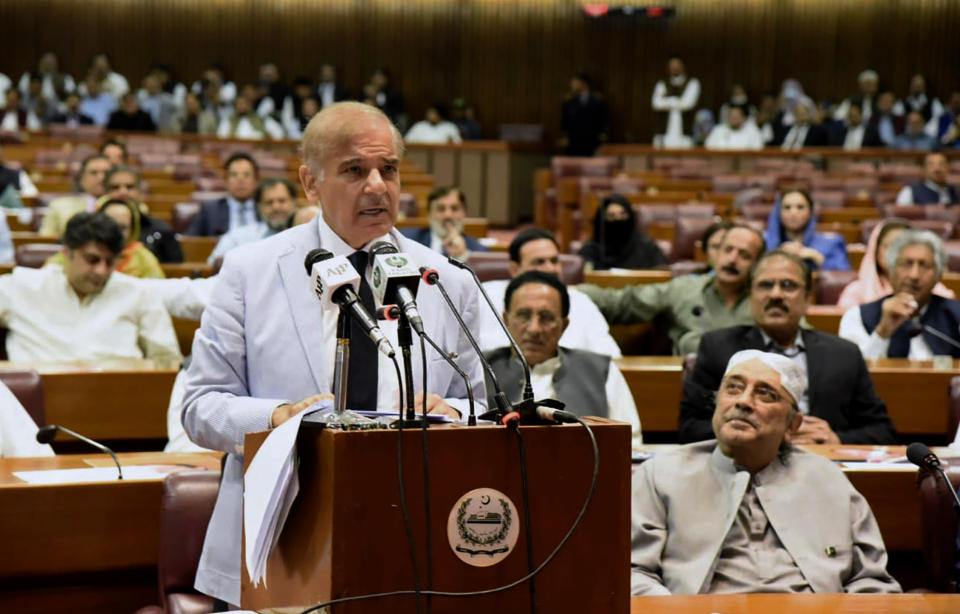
column 787, row 286
column 923, row 265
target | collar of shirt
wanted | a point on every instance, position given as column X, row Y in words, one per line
column 794, row 349
column 548, row 366
column 765, row 476
column 58, row 271
column 935, row 186
column 332, row 242
column 710, row 287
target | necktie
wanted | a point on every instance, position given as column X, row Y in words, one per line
column 362, row 386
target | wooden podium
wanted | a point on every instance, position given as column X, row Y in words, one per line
column 345, row 534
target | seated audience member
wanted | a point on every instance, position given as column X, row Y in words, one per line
column 867, row 82
column 90, row 181
column 616, row 242
column 536, row 249
column 464, row 117
column 129, row 117
column 912, row 321
column 770, row 118
column 135, row 260
column 914, row 138
column 329, row 90
column 536, row 311
column 124, row 181
column 71, row 114
column 83, row 310
column 873, row 279
column 887, row 124
column 386, row 98
column 934, row 189
column 18, row 182
column 711, row 241
column 447, row 212
column 14, row 118
column 737, row 132
column 115, row 151
column 192, row 119
column 948, row 125
column 55, row 84
column 276, row 200
column 694, row 304
column 297, row 123
column 35, row 102
column 110, row 82
column 748, row 512
column 237, row 208
column 840, row 404
column 792, row 227
column 96, row 104
column 215, row 77
column 245, row 123
column 738, row 99
column 917, row 99
column 160, row 105
column 434, row 128
column 803, row 133
column 856, row 133
column 18, row 431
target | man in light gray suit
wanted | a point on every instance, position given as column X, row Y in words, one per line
column 265, row 348
column 747, row 513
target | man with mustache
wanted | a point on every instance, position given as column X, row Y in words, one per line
column 694, row 304
column 748, row 512
column 912, row 322
column 447, row 211
column 839, row 405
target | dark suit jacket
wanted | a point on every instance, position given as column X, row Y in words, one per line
column 871, row 138
column 213, row 219
column 816, row 136
column 62, row 118
column 840, row 388
column 422, row 236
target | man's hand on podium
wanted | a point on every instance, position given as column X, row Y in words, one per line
column 435, row 405
column 282, row 413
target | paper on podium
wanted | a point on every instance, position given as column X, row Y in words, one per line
column 93, row 474
column 269, row 487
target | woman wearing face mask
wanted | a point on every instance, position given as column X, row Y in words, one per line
column 792, row 227
column 616, row 242
column 873, row 280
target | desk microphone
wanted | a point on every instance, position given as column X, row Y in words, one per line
column 922, row 456
column 395, row 280
column 45, row 434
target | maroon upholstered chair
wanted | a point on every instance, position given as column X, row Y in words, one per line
column 33, row 255
column 496, row 265
column 939, row 522
column 953, row 255
column 27, row 386
column 687, row 232
column 830, row 284
column 757, row 212
column 686, row 267
column 188, row 498
column 567, row 166
column 183, row 214
column 942, row 229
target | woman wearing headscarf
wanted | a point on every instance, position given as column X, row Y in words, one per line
column 792, row 227
column 135, row 259
column 873, row 279
column 616, row 242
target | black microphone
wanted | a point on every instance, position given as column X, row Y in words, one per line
column 45, row 434
column 432, row 278
column 922, row 456
column 527, row 384
column 335, row 283
column 395, row 280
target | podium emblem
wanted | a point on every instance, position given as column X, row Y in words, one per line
column 482, row 527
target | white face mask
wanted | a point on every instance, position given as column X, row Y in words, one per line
column 678, row 80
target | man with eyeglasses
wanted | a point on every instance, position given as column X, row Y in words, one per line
column 537, row 308
column 912, row 322
column 839, row 404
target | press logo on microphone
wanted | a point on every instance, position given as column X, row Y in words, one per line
column 397, row 262
column 318, row 287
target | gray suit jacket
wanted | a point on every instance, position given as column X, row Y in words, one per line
column 686, row 500
column 259, row 345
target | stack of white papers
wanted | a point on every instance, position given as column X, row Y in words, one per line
column 269, row 487
column 93, row 474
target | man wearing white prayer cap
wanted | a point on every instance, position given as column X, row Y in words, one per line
column 748, row 512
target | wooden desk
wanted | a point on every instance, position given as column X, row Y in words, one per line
column 620, row 279
column 107, row 402
column 105, row 535
column 825, row 317
column 657, row 386
column 197, row 249
column 797, row 604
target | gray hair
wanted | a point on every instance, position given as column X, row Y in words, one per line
column 917, row 237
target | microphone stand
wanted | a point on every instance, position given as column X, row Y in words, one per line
column 405, row 339
column 341, row 369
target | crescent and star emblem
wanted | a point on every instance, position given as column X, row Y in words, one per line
column 485, row 499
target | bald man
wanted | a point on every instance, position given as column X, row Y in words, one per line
column 265, row 349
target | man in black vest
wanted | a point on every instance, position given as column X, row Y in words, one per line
column 912, row 322
column 537, row 305
column 840, row 404
column 934, row 189
column 674, row 98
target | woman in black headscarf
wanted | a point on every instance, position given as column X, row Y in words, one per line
column 616, row 242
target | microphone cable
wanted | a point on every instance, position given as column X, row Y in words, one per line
column 403, row 494
column 505, row 587
column 514, row 426
column 426, row 473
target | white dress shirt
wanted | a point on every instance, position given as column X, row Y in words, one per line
column 11, row 122
column 241, row 213
column 48, row 322
column 588, row 329
column 854, row 139
column 873, row 345
column 238, row 236
column 675, row 106
column 905, row 195
column 18, row 432
column 620, row 404
column 439, row 133
column 724, row 137
column 182, row 297
column 795, row 137
column 246, row 130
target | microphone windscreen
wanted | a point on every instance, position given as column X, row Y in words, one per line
column 45, row 434
column 917, row 453
column 383, row 247
column 314, row 256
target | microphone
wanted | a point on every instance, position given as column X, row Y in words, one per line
column 45, row 434
column 335, row 282
column 543, row 412
column 395, row 280
column 922, row 456
column 432, row 278
column 527, row 385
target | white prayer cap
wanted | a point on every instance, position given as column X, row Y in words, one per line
column 868, row 75
column 792, row 376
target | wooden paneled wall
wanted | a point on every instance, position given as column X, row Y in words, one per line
column 512, row 57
